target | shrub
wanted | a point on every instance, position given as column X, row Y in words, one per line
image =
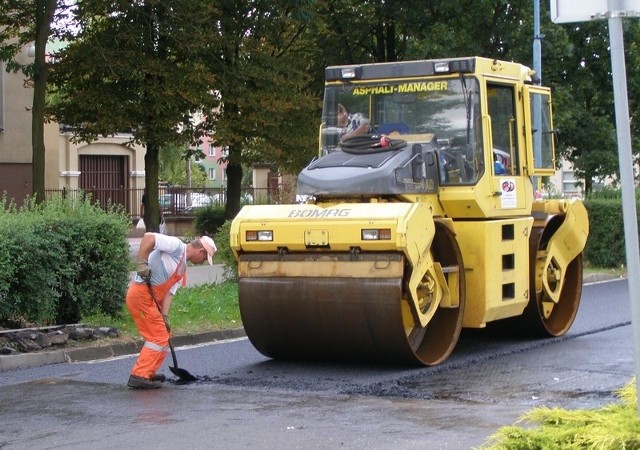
column 62, row 259
column 605, row 246
column 614, row 426
column 225, row 254
column 208, row 220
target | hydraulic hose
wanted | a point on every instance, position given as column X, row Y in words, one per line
column 371, row 143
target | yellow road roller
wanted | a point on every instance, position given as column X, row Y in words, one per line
column 421, row 223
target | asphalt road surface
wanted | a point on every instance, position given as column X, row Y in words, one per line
column 246, row 400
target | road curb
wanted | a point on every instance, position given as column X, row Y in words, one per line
column 96, row 352
column 597, row 277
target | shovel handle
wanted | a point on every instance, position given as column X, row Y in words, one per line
column 181, row 373
column 153, row 296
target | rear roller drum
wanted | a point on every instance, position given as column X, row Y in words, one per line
column 542, row 316
column 435, row 342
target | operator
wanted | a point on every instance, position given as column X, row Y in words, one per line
column 162, row 266
column 351, row 125
column 498, row 167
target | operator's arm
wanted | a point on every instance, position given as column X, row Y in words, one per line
column 147, row 245
column 363, row 127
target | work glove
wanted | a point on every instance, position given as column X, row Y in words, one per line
column 144, row 271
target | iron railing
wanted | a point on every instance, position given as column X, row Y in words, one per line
column 173, row 200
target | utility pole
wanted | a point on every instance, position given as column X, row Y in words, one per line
column 537, row 38
column 565, row 11
column 537, row 66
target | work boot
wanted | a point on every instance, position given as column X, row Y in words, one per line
column 158, row 377
column 137, row 382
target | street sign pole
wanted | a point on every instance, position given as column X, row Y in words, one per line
column 618, row 73
column 563, row 11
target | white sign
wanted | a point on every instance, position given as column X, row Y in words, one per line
column 508, row 193
column 564, row 11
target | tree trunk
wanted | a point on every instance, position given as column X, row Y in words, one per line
column 588, row 184
column 44, row 17
column 152, row 201
column 234, row 186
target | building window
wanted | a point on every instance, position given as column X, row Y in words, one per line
column 569, row 182
column 212, row 149
column 212, row 173
column 224, row 152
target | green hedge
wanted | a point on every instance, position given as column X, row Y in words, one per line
column 606, row 244
column 61, row 260
column 208, row 220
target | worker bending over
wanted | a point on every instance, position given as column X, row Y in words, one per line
column 162, row 266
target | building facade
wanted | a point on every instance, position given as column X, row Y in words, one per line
column 16, row 101
column 214, row 163
column 100, row 167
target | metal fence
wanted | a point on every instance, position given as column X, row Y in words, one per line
column 173, row 200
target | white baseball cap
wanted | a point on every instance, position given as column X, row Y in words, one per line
column 209, row 246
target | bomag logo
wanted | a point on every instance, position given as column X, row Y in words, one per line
column 319, row 213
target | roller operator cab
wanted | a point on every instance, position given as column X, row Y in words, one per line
column 421, row 226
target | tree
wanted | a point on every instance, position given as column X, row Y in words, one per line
column 584, row 111
column 28, row 22
column 268, row 113
column 137, row 67
column 177, row 166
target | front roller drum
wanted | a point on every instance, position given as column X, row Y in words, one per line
column 319, row 318
column 290, row 313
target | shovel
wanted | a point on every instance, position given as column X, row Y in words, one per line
column 183, row 374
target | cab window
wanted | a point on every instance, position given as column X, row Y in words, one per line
column 501, row 108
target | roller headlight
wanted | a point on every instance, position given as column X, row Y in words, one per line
column 376, row 234
column 259, row 235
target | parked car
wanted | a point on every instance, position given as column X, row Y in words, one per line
column 198, row 200
column 177, row 203
column 221, row 199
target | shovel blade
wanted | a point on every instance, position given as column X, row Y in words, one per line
column 182, row 374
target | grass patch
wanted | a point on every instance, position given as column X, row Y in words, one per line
column 195, row 309
column 616, row 271
column 205, row 307
column 615, row 426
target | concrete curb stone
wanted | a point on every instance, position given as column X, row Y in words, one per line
column 26, row 360
column 597, row 277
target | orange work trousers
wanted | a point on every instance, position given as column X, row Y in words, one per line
column 150, row 324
